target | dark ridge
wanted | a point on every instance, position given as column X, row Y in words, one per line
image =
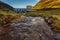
column 48, row 9
column 5, row 6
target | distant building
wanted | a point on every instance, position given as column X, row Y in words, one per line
column 5, row 6
column 29, row 7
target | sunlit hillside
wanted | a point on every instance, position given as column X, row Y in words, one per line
column 47, row 4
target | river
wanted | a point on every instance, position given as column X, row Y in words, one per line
column 31, row 28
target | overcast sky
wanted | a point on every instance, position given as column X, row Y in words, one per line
column 20, row 3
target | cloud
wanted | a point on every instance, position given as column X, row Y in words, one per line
column 38, row 0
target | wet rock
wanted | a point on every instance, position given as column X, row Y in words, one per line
column 38, row 25
column 29, row 28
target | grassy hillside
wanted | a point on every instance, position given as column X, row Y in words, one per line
column 47, row 4
column 5, row 6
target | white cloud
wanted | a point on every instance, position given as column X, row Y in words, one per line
column 38, row 0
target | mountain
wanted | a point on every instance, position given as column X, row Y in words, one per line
column 22, row 9
column 5, row 6
column 47, row 4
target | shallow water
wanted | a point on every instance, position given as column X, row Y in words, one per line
column 36, row 24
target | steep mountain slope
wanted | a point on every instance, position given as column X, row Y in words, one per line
column 47, row 4
column 5, row 6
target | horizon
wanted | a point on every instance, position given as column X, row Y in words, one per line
column 20, row 3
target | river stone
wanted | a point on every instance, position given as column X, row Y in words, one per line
column 25, row 29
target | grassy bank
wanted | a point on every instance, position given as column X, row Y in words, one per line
column 53, row 16
column 7, row 17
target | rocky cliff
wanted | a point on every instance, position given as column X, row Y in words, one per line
column 47, row 4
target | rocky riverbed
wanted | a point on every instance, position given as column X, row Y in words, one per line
column 29, row 28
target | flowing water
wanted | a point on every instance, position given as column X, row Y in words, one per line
column 32, row 28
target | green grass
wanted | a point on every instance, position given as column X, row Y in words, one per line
column 43, row 13
column 55, row 14
column 55, row 22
